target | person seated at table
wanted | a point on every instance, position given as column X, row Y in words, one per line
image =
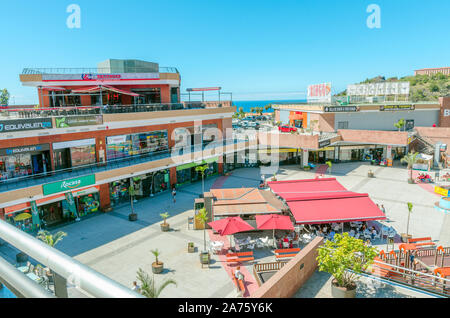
column 373, row 232
column 331, row 235
column 238, row 274
column 352, row 233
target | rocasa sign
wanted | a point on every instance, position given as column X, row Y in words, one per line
column 68, row 185
column 96, row 77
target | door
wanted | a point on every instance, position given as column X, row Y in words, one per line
column 37, row 164
column 62, row 159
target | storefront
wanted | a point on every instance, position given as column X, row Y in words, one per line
column 186, row 173
column 136, row 144
column 74, row 153
column 54, row 210
column 322, row 155
column 146, row 185
column 23, row 161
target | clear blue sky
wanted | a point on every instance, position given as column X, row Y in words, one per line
column 256, row 49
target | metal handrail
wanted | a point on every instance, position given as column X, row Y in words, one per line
column 87, row 279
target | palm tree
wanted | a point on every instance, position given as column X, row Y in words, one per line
column 410, row 207
column 156, row 253
column 202, row 170
column 50, row 239
column 148, row 286
column 410, row 159
column 164, row 216
column 202, row 216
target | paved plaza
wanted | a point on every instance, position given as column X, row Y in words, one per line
column 116, row 247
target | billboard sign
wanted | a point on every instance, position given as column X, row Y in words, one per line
column 319, row 92
column 379, row 89
column 68, row 185
column 340, row 109
column 87, row 77
column 396, row 107
column 25, row 124
column 73, row 121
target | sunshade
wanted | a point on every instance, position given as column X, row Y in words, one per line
column 230, row 225
column 22, row 216
column 274, row 222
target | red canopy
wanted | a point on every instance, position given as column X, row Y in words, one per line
column 293, row 189
column 274, row 222
column 230, row 225
column 104, row 87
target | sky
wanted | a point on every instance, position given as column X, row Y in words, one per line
column 256, row 49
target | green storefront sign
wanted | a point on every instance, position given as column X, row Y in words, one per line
column 67, row 185
column 195, row 164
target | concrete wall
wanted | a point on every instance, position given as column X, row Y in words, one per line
column 385, row 120
column 288, row 280
column 284, row 116
column 326, row 122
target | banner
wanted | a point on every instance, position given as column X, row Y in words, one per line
column 35, row 213
column 74, row 121
column 378, row 89
column 71, row 184
column 71, row 203
column 25, row 124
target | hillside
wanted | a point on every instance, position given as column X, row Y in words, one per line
column 422, row 87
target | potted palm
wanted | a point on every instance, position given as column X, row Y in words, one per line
column 191, row 247
column 202, row 217
column 410, row 159
column 306, row 168
column 157, row 266
column 148, row 287
column 274, row 178
column 345, row 258
column 165, row 226
column 406, row 236
column 202, row 170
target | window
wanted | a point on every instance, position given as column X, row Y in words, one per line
column 343, row 125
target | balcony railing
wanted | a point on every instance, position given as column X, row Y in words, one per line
column 63, row 174
column 95, row 70
column 12, row 112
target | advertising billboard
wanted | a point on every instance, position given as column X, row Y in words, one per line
column 379, row 89
column 73, row 121
column 319, row 92
column 25, row 124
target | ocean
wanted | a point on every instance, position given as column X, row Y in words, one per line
column 248, row 104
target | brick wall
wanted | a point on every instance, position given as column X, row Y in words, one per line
column 288, row 280
column 444, row 116
column 374, row 136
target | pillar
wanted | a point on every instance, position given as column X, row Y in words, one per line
column 305, row 156
column 173, row 176
column 220, row 167
column 105, row 200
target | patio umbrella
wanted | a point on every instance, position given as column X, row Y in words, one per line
column 274, row 222
column 230, row 226
column 22, row 216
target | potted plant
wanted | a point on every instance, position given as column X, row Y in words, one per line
column 148, row 287
column 165, row 226
column 306, row 168
column 341, row 255
column 191, row 247
column 274, row 178
column 406, row 236
column 410, row 159
column 202, row 217
column 370, row 174
column 157, row 266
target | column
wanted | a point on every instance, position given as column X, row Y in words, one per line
column 173, row 176
column 305, row 155
column 105, row 200
column 220, row 167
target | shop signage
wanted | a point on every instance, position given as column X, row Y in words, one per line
column 319, row 92
column 74, row 143
column 396, row 107
column 324, row 143
column 73, row 121
column 67, row 185
column 25, row 124
column 24, row 149
column 441, row 191
column 116, row 139
column 340, row 109
column 379, row 89
column 99, row 77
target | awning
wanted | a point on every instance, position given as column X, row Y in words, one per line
column 94, row 89
column 53, row 88
column 337, row 207
column 294, row 189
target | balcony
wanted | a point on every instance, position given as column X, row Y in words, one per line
column 60, row 175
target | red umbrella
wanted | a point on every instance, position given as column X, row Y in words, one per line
column 230, row 225
column 274, row 222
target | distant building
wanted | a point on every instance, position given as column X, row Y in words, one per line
column 430, row 71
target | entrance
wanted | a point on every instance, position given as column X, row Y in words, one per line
column 62, row 159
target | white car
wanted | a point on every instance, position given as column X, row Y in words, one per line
column 245, row 123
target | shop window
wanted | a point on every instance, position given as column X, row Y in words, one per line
column 343, row 125
column 136, row 144
column 82, row 155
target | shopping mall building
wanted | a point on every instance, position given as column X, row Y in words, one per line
column 98, row 131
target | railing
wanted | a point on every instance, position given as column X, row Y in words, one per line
column 18, row 113
column 268, row 267
column 63, row 266
column 95, row 70
column 62, row 174
column 406, row 276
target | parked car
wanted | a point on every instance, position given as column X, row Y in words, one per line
column 244, row 123
column 253, row 125
column 286, row 129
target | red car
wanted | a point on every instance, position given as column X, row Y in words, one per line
column 286, row 129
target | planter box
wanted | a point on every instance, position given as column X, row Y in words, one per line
column 191, row 248
column 165, row 228
column 157, row 269
column 341, row 292
column 204, row 258
column 132, row 217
